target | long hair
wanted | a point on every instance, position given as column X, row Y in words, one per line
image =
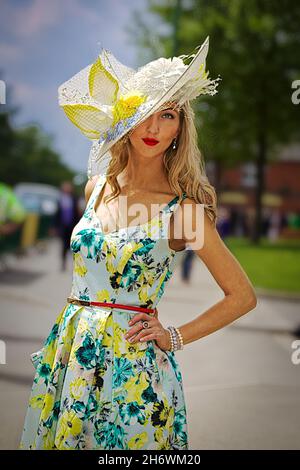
column 184, row 166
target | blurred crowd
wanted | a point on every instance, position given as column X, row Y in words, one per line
column 239, row 222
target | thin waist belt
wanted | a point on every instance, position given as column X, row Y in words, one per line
column 87, row 303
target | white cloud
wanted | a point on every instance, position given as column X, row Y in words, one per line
column 29, row 19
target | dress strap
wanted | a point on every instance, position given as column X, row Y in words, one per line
column 172, row 205
column 167, row 213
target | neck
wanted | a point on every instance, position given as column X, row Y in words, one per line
column 143, row 172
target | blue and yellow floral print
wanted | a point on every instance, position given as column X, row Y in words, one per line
column 92, row 389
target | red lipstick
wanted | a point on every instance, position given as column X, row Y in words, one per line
column 150, row 141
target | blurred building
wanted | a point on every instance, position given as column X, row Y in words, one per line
column 281, row 199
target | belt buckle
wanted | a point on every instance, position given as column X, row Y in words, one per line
column 78, row 301
column 87, row 303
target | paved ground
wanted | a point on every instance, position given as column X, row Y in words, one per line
column 242, row 389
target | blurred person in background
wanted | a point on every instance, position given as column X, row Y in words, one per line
column 12, row 212
column 239, row 223
column 12, row 216
column 266, row 218
column 66, row 217
column 277, row 222
column 223, row 223
column 187, row 265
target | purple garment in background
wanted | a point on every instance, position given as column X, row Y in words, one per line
column 66, row 209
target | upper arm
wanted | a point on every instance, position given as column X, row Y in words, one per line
column 89, row 187
column 201, row 234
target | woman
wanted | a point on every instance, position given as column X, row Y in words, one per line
column 107, row 376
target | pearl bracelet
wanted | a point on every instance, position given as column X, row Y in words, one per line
column 176, row 338
column 180, row 338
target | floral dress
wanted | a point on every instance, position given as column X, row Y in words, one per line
column 92, row 388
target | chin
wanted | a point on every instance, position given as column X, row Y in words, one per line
column 144, row 150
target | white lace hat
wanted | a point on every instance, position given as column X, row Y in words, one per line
column 106, row 99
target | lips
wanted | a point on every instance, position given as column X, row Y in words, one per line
column 150, row 141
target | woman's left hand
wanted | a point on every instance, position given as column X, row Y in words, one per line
column 155, row 331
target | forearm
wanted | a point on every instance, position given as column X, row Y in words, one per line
column 220, row 314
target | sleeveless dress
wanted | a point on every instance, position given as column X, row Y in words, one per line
column 92, row 388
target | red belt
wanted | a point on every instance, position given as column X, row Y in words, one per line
column 88, row 303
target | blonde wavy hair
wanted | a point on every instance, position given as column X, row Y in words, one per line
column 184, row 166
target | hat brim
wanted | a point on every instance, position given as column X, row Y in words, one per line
column 150, row 107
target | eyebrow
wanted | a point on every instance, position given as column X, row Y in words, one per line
column 172, row 109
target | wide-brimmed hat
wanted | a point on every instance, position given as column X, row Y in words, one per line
column 106, row 99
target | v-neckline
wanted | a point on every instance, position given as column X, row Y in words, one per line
column 123, row 228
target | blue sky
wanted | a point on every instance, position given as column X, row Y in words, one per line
column 43, row 43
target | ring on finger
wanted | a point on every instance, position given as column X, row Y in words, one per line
column 145, row 324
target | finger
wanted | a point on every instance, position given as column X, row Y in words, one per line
column 134, row 330
column 140, row 316
column 157, row 332
column 143, row 332
column 148, row 337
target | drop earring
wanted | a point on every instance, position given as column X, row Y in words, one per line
column 174, row 144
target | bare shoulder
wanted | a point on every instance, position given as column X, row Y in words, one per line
column 89, row 187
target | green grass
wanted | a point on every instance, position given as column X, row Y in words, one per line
column 269, row 265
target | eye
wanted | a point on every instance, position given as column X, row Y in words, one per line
column 169, row 114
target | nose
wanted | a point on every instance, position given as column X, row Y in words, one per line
column 152, row 124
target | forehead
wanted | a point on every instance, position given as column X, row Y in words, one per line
column 169, row 105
